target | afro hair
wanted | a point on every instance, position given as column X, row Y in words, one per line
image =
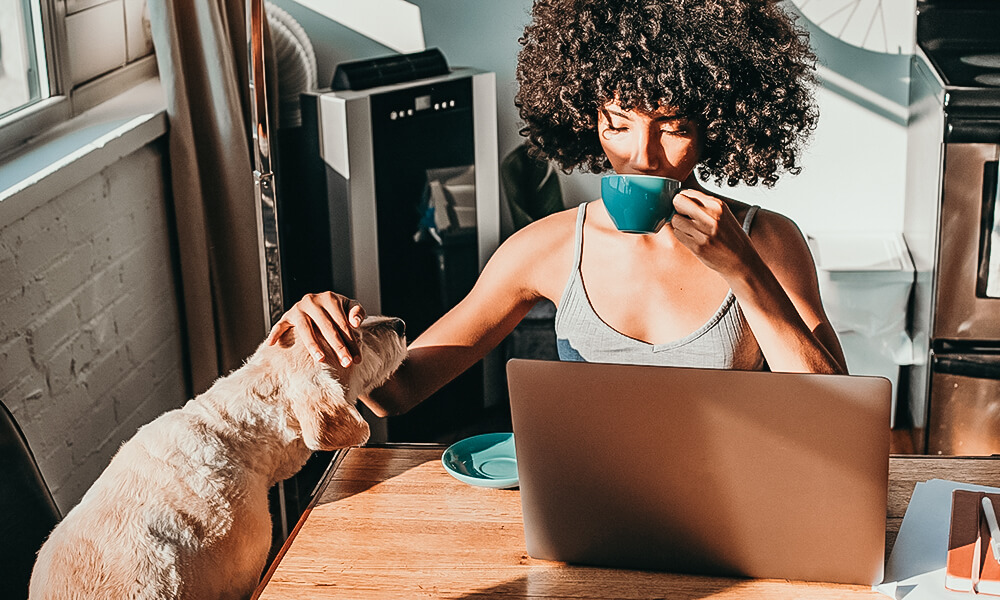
column 740, row 69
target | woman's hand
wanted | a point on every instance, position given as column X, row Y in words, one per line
column 773, row 277
column 705, row 226
column 326, row 317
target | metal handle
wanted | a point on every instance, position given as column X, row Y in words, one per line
column 989, row 268
column 984, row 366
column 264, row 184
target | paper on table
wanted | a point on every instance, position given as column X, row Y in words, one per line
column 915, row 569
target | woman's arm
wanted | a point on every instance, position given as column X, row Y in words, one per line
column 530, row 265
column 515, row 277
column 784, row 254
column 464, row 335
column 773, row 277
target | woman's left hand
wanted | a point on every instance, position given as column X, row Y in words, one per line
column 704, row 225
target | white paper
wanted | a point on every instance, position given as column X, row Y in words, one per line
column 916, row 565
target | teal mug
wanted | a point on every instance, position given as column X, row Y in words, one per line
column 639, row 203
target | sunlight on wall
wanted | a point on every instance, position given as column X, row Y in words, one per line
column 392, row 23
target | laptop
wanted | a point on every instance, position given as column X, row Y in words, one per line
column 703, row 471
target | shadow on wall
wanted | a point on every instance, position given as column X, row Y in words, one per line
column 863, row 56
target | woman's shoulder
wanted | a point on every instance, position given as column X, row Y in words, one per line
column 543, row 251
column 767, row 227
column 780, row 242
column 549, row 232
column 772, row 227
column 540, row 250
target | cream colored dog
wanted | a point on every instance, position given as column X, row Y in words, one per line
column 181, row 511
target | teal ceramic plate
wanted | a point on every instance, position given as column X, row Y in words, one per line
column 486, row 460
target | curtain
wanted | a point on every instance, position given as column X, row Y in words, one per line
column 201, row 52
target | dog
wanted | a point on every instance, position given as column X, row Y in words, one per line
column 181, row 511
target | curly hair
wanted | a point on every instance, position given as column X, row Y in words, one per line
column 740, row 69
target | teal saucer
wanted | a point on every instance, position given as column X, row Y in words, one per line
column 486, row 460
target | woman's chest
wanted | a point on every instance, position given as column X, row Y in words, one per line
column 655, row 297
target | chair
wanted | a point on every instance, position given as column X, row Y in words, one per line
column 27, row 510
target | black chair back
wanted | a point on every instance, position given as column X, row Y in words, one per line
column 27, row 511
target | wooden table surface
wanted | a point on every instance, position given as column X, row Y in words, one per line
column 391, row 523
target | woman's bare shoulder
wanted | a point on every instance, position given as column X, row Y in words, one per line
column 781, row 244
column 773, row 228
column 540, row 253
column 546, row 234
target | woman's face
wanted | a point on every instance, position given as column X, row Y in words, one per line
column 657, row 143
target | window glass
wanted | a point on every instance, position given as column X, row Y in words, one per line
column 22, row 77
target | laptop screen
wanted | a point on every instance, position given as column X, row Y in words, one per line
column 706, row 471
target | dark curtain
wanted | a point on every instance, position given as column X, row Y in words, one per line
column 201, row 52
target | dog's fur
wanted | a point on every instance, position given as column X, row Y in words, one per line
column 181, row 512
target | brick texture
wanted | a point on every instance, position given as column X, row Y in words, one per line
column 90, row 331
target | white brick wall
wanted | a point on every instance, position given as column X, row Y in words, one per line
column 90, row 342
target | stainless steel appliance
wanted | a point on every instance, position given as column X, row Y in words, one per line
column 398, row 206
column 952, row 226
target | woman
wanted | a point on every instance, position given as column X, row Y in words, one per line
column 656, row 87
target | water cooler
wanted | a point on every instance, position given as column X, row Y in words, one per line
column 396, row 204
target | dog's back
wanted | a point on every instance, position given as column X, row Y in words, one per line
column 179, row 517
column 181, row 511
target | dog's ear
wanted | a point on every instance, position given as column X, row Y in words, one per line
column 328, row 421
column 287, row 338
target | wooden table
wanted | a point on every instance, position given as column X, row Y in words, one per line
column 389, row 522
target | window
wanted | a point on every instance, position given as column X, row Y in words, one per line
column 21, row 81
column 60, row 57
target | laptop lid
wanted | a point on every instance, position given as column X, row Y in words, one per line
column 705, row 471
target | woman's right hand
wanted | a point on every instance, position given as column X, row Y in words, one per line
column 328, row 317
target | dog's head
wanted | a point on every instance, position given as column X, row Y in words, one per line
column 382, row 341
column 323, row 396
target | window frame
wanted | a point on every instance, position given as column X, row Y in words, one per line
column 18, row 129
column 30, row 35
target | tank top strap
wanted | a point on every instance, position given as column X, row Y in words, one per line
column 748, row 218
column 581, row 214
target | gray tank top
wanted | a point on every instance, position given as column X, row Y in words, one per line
column 724, row 342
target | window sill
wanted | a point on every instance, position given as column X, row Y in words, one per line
column 80, row 148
